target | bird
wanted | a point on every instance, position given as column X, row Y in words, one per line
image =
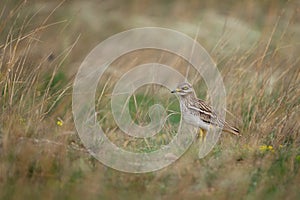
column 198, row 113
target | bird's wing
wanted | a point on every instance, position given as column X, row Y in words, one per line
column 207, row 114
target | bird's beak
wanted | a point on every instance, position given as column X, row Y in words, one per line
column 176, row 90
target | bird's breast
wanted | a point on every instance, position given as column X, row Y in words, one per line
column 193, row 118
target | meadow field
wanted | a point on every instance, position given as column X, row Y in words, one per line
column 255, row 45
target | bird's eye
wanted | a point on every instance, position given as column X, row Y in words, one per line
column 185, row 88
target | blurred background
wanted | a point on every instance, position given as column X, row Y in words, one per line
column 234, row 25
column 255, row 45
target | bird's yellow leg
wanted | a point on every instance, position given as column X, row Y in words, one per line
column 202, row 134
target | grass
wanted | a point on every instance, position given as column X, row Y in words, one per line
column 256, row 50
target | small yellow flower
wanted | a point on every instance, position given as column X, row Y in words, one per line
column 270, row 148
column 264, row 148
column 59, row 122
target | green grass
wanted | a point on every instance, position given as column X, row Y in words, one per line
column 256, row 50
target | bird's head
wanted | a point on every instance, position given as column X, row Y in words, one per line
column 184, row 89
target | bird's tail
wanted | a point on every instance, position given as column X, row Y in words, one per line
column 231, row 129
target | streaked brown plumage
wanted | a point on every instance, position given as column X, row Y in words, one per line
column 196, row 112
